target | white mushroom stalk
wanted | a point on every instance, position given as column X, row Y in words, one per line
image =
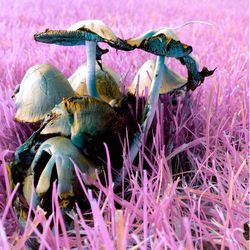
column 150, row 107
column 91, row 61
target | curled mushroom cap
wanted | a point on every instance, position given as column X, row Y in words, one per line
column 90, row 122
column 61, row 152
column 107, row 82
column 42, row 87
column 195, row 77
column 161, row 42
column 144, row 76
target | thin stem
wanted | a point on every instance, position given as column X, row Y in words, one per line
column 150, row 107
column 154, row 94
column 91, row 62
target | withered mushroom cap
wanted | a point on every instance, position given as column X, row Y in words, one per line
column 80, row 117
column 42, row 87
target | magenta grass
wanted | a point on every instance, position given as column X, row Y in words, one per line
column 208, row 133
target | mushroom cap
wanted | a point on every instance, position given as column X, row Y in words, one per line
column 81, row 116
column 62, row 151
column 78, row 33
column 167, row 32
column 144, row 76
column 42, row 87
column 95, row 26
column 92, row 122
column 136, row 41
column 107, row 82
column 161, row 42
column 90, row 119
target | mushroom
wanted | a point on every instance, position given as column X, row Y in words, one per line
column 143, row 79
column 107, row 82
column 87, row 32
column 89, row 119
column 42, row 87
column 162, row 42
column 153, row 41
column 62, row 152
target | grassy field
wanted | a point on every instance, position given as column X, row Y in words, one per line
column 196, row 194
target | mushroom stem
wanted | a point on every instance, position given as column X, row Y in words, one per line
column 91, row 62
column 150, row 107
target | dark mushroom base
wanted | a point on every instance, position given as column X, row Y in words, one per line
column 20, row 165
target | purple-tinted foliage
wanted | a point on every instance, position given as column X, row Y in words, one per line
column 196, row 192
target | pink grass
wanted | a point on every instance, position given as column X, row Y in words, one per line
column 210, row 130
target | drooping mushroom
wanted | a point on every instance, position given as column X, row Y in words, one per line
column 42, row 87
column 89, row 122
column 162, row 43
column 153, row 42
column 62, row 152
column 107, row 82
column 87, row 32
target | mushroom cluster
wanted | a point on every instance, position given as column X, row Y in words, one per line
column 80, row 117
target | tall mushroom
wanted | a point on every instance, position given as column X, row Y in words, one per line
column 162, row 43
column 87, row 32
